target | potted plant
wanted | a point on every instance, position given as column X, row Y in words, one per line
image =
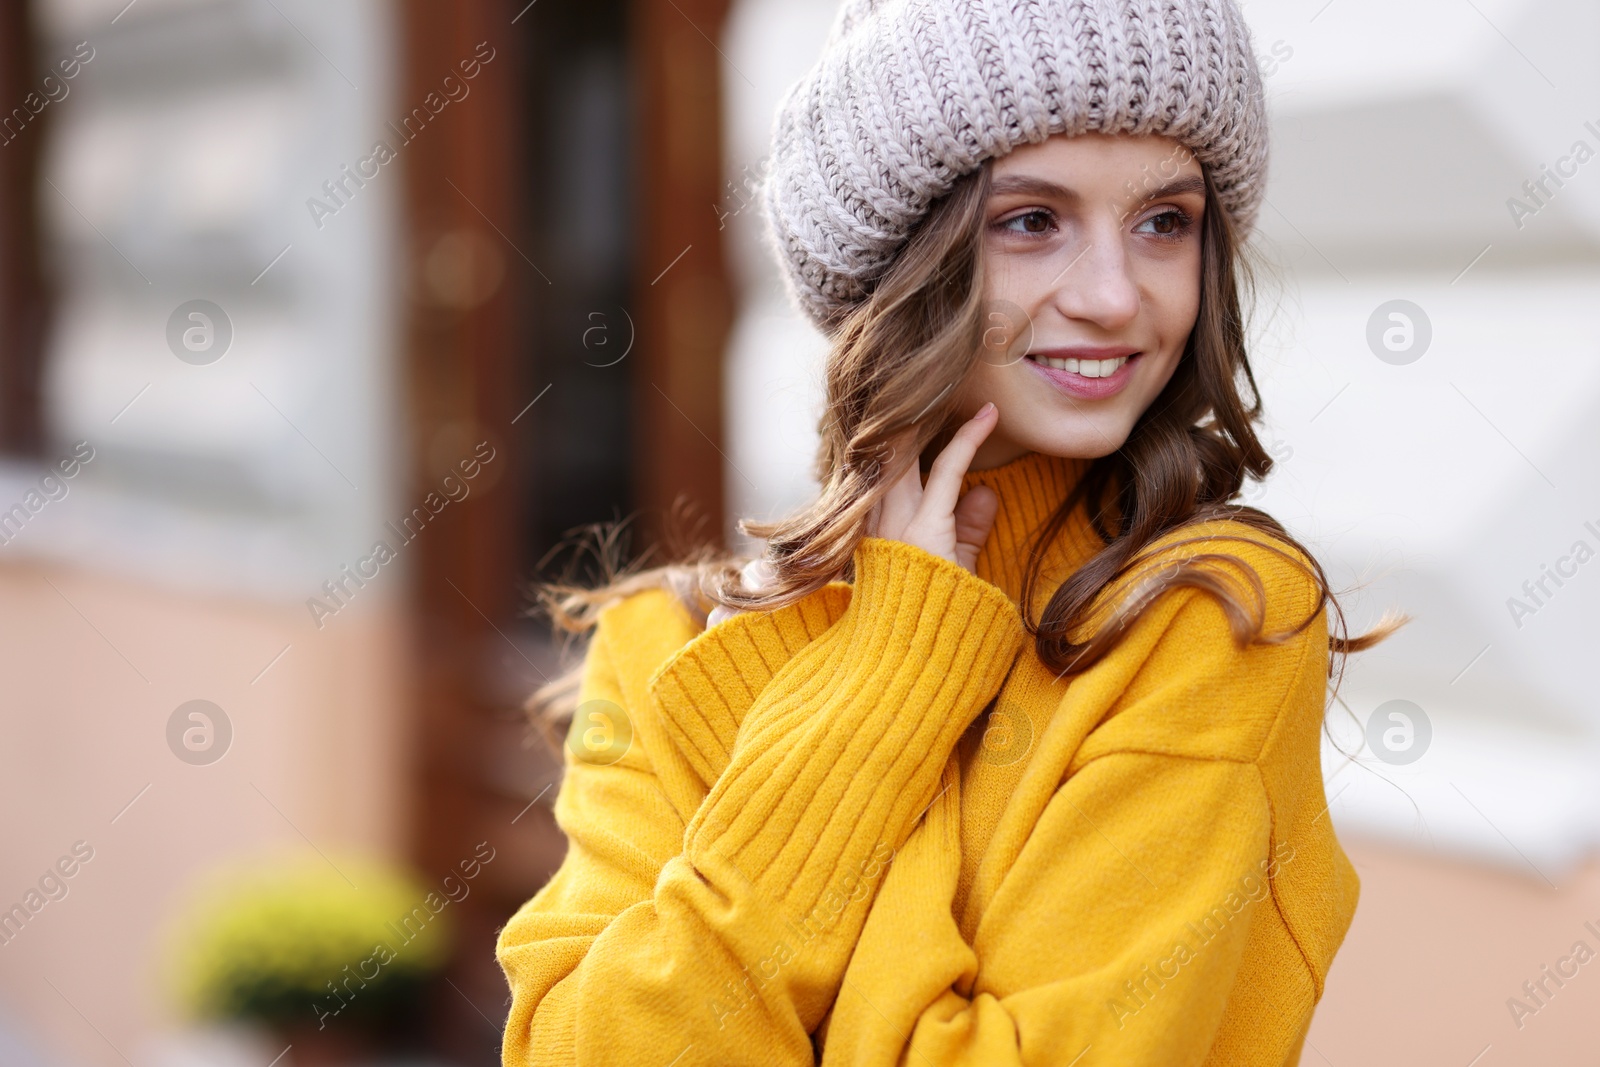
column 329, row 956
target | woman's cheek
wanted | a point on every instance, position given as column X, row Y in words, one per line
column 982, row 386
column 1170, row 299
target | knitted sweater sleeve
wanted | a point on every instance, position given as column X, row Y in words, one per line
column 1121, row 935
column 1144, row 892
column 725, row 940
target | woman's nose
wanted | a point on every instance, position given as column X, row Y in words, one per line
column 1096, row 284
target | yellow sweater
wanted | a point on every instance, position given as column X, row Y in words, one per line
column 806, row 855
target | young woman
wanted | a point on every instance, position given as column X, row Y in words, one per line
column 1007, row 752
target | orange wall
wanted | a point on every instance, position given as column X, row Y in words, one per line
column 93, row 667
column 1436, row 949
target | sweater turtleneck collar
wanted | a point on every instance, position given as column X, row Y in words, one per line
column 1030, row 489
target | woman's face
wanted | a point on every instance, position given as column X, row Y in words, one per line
column 1092, row 248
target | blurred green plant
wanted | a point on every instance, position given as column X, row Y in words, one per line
column 287, row 943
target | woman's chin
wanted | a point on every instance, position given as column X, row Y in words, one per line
column 1087, row 440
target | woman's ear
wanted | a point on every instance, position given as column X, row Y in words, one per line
column 753, row 577
column 757, row 575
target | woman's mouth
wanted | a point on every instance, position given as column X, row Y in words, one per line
column 1088, row 368
column 1087, row 376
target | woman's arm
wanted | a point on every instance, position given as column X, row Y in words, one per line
column 738, row 948
column 732, row 946
column 1139, row 911
column 1116, row 938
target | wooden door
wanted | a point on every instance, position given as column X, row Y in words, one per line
column 568, row 306
column 23, row 310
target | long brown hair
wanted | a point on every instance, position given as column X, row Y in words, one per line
column 895, row 367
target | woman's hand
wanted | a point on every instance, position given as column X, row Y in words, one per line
column 936, row 517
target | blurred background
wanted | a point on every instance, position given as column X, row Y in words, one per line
column 321, row 325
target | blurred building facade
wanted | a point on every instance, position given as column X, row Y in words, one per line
column 340, row 318
column 221, row 479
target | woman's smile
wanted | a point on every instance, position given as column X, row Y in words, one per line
column 1085, row 372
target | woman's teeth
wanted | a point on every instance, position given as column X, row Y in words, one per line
column 1088, row 368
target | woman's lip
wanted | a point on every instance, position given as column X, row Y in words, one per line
column 1076, row 385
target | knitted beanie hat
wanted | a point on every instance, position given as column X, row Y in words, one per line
column 910, row 95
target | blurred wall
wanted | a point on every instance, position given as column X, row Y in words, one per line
column 1429, row 360
column 1430, row 366
column 773, row 365
column 236, row 454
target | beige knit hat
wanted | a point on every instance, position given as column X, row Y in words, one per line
column 909, row 95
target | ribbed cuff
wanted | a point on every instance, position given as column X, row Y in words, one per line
column 706, row 689
column 836, row 767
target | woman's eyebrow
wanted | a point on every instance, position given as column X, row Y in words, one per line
column 1028, row 185
column 1189, row 183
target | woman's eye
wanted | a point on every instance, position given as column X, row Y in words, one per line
column 1166, row 224
column 1031, row 223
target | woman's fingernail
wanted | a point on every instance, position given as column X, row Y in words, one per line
column 983, row 412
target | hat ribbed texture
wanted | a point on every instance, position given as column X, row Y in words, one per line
column 910, row 95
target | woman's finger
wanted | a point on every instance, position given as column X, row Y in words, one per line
column 900, row 502
column 974, row 519
column 944, row 479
